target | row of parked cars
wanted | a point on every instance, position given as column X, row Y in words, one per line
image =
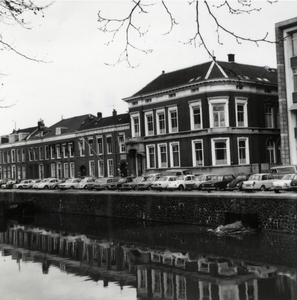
column 174, row 180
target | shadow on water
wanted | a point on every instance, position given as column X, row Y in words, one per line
column 161, row 261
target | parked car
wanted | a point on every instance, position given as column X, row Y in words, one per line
column 2, row 182
column 86, row 183
column 132, row 185
column 163, row 182
column 46, row 183
column 217, row 183
column 55, row 185
column 147, row 184
column 196, row 184
column 177, row 172
column 124, row 180
column 279, row 171
column 294, row 183
column 180, row 182
column 260, row 181
column 9, row 184
column 24, row 184
column 36, row 184
column 105, row 183
column 283, row 184
column 236, row 184
column 70, row 183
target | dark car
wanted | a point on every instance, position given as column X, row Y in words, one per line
column 218, row 183
column 294, row 183
column 124, row 180
column 132, row 185
column 237, row 182
column 147, row 184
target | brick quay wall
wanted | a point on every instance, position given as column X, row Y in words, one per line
column 268, row 211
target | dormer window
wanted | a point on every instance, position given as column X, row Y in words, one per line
column 172, row 95
column 58, row 130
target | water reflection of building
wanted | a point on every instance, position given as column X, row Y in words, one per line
column 156, row 273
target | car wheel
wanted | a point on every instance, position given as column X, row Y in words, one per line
column 20, row 187
column 106, row 188
column 136, row 188
column 149, row 188
column 56, row 187
column 46, row 187
column 217, row 188
column 276, row 191
column 72, row 187
column 180, row 188
column 262, row 188
column 85, row 187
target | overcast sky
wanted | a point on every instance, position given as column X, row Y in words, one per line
column 75, row 77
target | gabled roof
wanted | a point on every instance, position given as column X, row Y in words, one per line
column 107, row 122
column 210, row 71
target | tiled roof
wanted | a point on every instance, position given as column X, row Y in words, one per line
column 209, row 71
column 107, row 121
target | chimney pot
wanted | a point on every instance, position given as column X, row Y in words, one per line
column 99, row 115
column 231, row 57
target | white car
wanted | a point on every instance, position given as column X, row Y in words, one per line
column 24, row 184
column 260, row 181
column 86, row 183
column 47, row 183
column 198, row 180
column 180, row 182
column 162, row 182
column 282, row 184
column 70, row 183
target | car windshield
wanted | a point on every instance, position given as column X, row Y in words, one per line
column 288, row 177
column 181, row 177
column 68, row 180
column 150, row 179
column 138, row 179
column 164, row 178
column 100, row 180
column 255, row 177
column 241, row 177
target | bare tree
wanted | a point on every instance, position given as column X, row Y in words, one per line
column 129, row 24
column 15, row 12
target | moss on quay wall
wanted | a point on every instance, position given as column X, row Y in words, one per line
column 273, row 212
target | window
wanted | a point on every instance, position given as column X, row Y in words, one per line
column 46, row 152
column 58, row 151
column 23, row 155
column 71, row 149
column 135, row 125
column 271, row 151
column 92, row 168
column 243, row 151
column 219, row 116
column 151, row 159
column 12, row 155
column 173, row 119
column 72, row 170
column 269, row 116
column 99, row 145
column 41, row 154
column 90, row 141
column 19, row 172
column 59, row 170
column 195, row 115
column 66, row 170
column 110, row 167
column 174, row 155
column 13, row 172
column 24, row 172
column 109, row 144
column 277, row 117
column 52, row 150
column 41, row 171
column 241, row 113
column 81, row 147
column 162, row 156
column 149, row 124
column 161, row 126
column 220, row 152
column 197, row 153
column 30, row 154
column 294, row 43
column 64, row 151
column 100, row 168
column 53, row 170
column 122, row 145
column 18, row 155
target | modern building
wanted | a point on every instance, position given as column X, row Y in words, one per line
column 214, row 117
column 286, row 51
column 80, row 146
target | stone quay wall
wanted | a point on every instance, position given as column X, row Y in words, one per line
column 266, row 211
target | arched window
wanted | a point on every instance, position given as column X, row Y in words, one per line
column 271, row 151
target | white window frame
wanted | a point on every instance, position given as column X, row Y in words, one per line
column 247, row 152
column 147, row 131
column 72, row 170
column 46, row 152
column 148, row 156
column 243, row 102
column 109, row 146
column 81, row 147
column 162, row 165
column 192, row 105
column 71, row 146
column 58, row 150
column 59, row 170
column 52, row 151
column 121, row 143
column 158, row 113
column 24, row 172
column 216, row 101
column 91, row 146
column 41, row 171
column 66, row 170
column 13, row 155
column 110, row 172
column 271, row 151
column 170, row 119
column 100, row 168
column 64, row 150
column 171, row 145
column 213, row 151
column 41, row 153
column 135, row 133
column 99, row 151
column 53, row 170
column 269, row 117
column 92, row 167
column 194, row 142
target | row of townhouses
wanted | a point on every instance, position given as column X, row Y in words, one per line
column 214, row 117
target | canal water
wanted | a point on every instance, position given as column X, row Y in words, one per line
column 55, row 256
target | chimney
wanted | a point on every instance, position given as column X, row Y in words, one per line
column 114, row 113
column 99, row 115
column 40, row 124
column 231, row 57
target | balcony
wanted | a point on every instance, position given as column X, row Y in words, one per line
column 134, row 140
